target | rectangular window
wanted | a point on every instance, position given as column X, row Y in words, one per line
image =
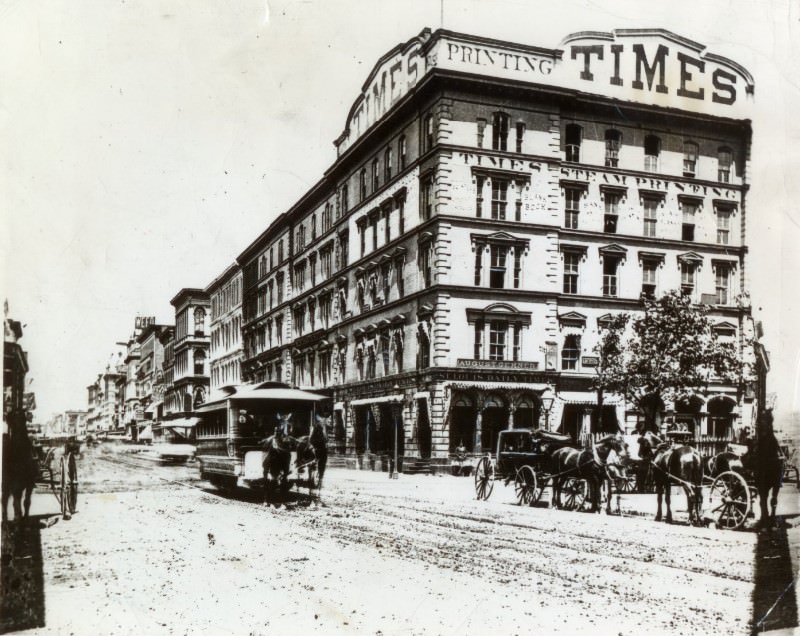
column 611, row 202
column 572, row 207
column 401, row 214
column 499, row 131
column 385, row 282
column 610, row 266
column 498, row 332
column 652, row 149
column 401, row 152
column 499, row 198
column 519, row 187
column 362, row 236
column 520, row 135
column 572, row 143
column 478, row 263
column 362, row 182
column 497, row 272
column 376, row 175
column 723, row 284
column 481, row 130
column 425, row 265
column 517, row 338
column 478, row 346
column 687, row 278
column 650, row 217
column 387, row 217
column 428, row 133
column 517, row 266
column 649, row 270
column 723, row 226
column 312, row 268
column 570, row 352
column 724, row 163
column 613, row 142
column 373, row 225
column 479, row 197
column 427, row 199
column 690, row 152
column 571, row 262
column 688, row 210
column 387, row 164
column 279, row 283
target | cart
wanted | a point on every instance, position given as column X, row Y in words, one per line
column 59, row 472
column 523, row 456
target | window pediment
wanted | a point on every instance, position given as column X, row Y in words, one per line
column 499, row 311
column 614, row 249
column 691, row 258
column 497, row 173
column 572, row 184
column 651, row 256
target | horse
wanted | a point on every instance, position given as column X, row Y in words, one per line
column 278, row 459
column 679, row 464
column 588, row 464
column 312, row 452
column 766, row 463
column 20, row 468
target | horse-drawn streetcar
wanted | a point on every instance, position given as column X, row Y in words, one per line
column 266, row 436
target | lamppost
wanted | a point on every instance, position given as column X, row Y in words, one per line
column 396, row 405
column 547, row 404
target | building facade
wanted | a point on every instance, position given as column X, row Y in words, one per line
column 491, row 206
column 188, row 360
column 225, row 351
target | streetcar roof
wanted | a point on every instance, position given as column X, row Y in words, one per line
column 267, row 391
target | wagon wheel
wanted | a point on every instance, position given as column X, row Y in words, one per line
column 526, row 486
column 62, row 488
column 729, row 501
column 572, row 494
column 72, row 483
column 626, row 483
column 46, row 470
column 484, row 478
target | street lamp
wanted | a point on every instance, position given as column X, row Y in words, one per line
column 396, row 405
column 547, row 404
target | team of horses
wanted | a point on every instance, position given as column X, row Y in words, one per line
column 310, row 452
column 601, row 465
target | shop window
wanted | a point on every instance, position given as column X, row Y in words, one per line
column 572, row 143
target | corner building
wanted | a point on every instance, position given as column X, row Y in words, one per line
column 492, row 204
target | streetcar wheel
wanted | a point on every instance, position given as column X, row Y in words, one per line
column 572, row 494
column 526, row 486
column 484, row 478
column 729, row 501
column 72, row 483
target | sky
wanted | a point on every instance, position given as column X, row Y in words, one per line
column 145, row 144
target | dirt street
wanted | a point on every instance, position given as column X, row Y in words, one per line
column 154, row 551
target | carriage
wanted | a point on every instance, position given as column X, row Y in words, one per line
column 234, row 425
column 58, row 470
column 523, row 456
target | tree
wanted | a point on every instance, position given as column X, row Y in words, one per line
column 667, row 353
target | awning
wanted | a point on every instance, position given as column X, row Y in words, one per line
column 377, row 400
column 182, row 422
column 587, row 397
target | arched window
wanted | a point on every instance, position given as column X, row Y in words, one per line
column 199, row 362
column 401, row 152
column 362, row 182
column 387, row 164
column 572, row 142
column 199, row 321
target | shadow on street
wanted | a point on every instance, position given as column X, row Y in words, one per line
column 774, row 599
column 22, row 602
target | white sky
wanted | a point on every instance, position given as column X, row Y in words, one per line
column 145, row 144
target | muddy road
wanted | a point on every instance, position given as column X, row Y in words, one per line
column 154, row 550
